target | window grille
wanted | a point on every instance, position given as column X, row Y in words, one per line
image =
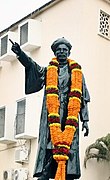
column 104, row 27
column 20, row 117
column 2, row 122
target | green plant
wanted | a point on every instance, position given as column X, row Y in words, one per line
column 99, row 150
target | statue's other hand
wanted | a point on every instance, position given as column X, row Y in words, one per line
column 16, row 48
column 85, row 127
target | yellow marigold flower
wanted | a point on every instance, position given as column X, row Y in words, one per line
column 51, row 67
column 75, row 89
column 52, row 95
column 75, row 98
column 72, row 117
column 54, row 60
column 49, row 87
column 62, row 145
column 75, row 69
column 71, row 62
column 55, row 124
column 60, row 157
column 69, row 126
column 54, row 114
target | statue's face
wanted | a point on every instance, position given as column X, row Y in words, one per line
column 62, row 52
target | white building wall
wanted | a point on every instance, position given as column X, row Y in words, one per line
column 78, row 22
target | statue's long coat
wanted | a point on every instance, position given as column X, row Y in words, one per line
column 35, row 78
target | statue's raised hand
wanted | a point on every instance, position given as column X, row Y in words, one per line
column 16, row 48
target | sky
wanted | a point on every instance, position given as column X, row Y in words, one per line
column 13, row 10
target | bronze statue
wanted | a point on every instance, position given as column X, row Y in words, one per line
column 35, row 78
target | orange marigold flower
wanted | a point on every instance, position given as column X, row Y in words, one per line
column 59, row 137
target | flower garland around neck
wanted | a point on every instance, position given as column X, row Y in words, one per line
column 62, row 140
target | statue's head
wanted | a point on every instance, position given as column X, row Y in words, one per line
column 61, row 48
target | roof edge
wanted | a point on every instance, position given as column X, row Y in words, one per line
column 31, row 15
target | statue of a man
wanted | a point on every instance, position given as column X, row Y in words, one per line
column 58, row 86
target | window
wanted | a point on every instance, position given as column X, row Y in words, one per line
column 104, row 26
column 24, row 34
column 2, row 121
column 20, row 117
column 4, row 41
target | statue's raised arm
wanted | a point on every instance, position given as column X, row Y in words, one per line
column 34, row 74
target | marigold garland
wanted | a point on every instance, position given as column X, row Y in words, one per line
column 62, row 139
